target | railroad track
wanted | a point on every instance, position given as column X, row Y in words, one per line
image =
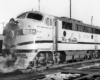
column 86, row 69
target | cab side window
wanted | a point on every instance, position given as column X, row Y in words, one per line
column 47, row 21
column 22, row 15
column 50, row 22
column 55, row 22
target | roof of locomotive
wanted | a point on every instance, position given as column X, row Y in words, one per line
column 29, row 12
column 66, row 19
column 37, row 13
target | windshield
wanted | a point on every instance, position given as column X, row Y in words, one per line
column 22, row 15
column 35, row 16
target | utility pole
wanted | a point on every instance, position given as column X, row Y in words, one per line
column 32, row 9
column 91, row 20
column 2, row 27
column 39, row 4
column 70, row 9
column 3, row 24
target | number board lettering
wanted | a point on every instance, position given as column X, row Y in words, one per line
column 29, row 31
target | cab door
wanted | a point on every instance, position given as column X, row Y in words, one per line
column 55, row 35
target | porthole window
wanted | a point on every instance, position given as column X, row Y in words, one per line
column 92, row 36
column 64, row 33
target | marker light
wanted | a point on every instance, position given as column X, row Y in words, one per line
column 13, row 22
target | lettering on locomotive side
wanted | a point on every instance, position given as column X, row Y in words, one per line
column 64, row 39
column 73, row 40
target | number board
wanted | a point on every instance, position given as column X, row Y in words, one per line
column 29, row 31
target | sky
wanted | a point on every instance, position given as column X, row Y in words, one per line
column 81, row 9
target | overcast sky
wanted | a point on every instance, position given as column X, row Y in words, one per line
column 81, row 9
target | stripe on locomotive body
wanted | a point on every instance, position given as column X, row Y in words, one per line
column 68, row 46
column 72, row 46
column 76, row 46
column 51, row 41
column 27, row 46
column 35, row 46
column 47, row 45
column 25, row 43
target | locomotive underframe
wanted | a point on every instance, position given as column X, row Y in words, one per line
column 48, row 58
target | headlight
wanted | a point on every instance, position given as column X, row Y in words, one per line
column 12, row 21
